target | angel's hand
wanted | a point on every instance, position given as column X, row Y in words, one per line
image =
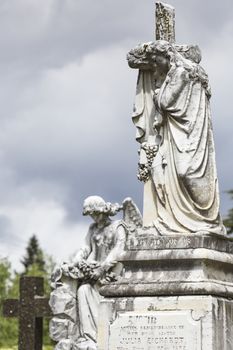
column 97, row 273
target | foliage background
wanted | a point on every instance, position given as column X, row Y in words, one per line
column 35, row 263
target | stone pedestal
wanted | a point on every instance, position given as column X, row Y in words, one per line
column 166, row 323
column 175, row 293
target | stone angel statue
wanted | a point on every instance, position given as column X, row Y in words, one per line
column 75, row 298
column 173, row 121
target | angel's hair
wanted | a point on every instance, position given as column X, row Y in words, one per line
column 96, row 204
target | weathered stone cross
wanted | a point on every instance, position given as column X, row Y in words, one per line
column 164, row 30
column 30, row 309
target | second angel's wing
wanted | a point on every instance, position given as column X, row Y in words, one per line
column 131, row 214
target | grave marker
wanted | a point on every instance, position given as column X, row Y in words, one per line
column 31, row 307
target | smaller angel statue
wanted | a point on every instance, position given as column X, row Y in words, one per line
column 75, row 299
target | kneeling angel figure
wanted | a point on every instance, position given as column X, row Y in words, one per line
column 75, row 297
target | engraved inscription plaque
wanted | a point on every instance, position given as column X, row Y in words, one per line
column 166, row 330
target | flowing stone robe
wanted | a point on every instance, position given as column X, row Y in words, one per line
column 183, row 173
column 103, row 246
column 74, row 300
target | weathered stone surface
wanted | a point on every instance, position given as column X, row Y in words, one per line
column 147, row 239
column 75, row 299
column 171, row 323
column 164, row 329
column 30, row 309
column 179, row 265
column 63, row 301
column 171, row 114
column 165, row 22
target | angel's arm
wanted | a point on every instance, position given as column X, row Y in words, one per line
column 111, row 259
column 85, row 251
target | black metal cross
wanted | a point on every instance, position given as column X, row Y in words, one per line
column 30, row 309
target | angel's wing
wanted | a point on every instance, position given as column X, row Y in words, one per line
column 131, row 214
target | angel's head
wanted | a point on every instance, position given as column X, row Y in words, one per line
column 162, row 55
column 150, row 56
column 97, row 208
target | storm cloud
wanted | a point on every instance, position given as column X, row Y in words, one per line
column 66, row 97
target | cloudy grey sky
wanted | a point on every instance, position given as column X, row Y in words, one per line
column 66, row 96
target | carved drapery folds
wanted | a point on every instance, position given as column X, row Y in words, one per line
column 172, row 116
column 75, row 298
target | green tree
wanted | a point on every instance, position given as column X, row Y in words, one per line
column 36, row 263
column 5, row 275
column 228, row 221
column 8, row 327
column 34, row 256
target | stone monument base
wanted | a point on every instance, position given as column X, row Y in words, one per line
column 175, row 265
column 166, row 323
column 175, row 293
